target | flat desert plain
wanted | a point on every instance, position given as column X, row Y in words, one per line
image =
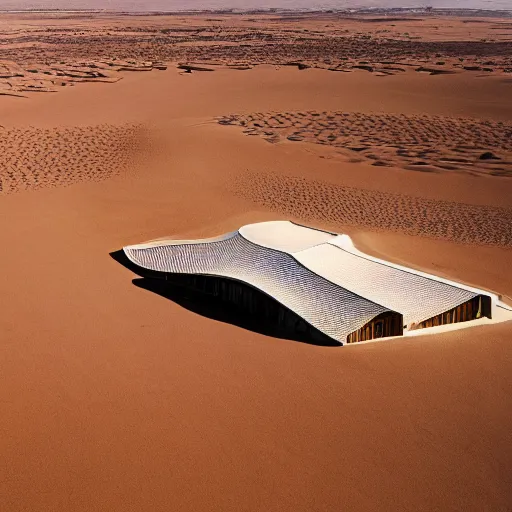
column 396, row 130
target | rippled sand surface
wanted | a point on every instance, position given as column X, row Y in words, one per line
column 114, row 398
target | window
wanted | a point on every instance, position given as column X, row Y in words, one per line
column 379, row 329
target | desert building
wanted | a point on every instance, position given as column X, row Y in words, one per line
column 313, row 281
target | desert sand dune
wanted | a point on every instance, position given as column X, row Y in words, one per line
column 370, row 209
column 422, row 143
column 17, row 80
column 32, row 158
column 114, row 398
column 46, row 51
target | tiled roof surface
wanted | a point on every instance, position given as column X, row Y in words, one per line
column 414, row 296
column 328, row 307
column 322, row 277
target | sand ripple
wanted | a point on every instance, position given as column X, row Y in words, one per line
column 32, row 158
column 328, row 203
column 415, row 142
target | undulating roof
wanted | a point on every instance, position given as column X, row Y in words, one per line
column 415, row 296
column 330, row 308
column 320, row 276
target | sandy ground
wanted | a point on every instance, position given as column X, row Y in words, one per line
column 114, row 398
column 42, row 52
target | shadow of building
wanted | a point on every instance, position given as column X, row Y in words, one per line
column 229, row 301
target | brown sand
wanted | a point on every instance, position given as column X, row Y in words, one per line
column 44, row 52
column 414, row 142
column 32, row 158
column 114, row 398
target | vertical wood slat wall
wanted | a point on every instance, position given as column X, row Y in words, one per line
column 472, row 309
column 391, row 325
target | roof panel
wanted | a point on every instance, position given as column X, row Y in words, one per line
column 323, row 304
column 284, row 235
column 415, row 296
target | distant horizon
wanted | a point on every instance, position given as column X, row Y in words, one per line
column 245, row 5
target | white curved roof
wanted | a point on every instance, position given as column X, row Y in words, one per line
column 331, row 309
column 171, row 241
column 283, row 235
column 320, row 276
column 416, row 297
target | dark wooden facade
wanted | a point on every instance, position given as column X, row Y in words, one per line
column 253, row 304
column 474, row 308
column 382, row 326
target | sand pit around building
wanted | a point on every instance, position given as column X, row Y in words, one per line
column 114, row 398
